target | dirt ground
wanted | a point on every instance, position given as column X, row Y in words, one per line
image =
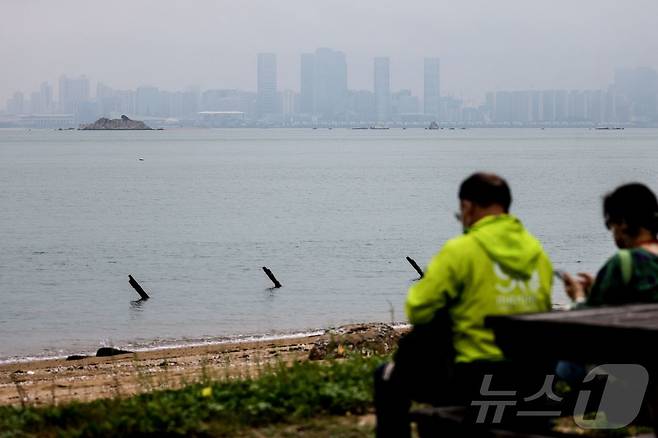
column 57, row 381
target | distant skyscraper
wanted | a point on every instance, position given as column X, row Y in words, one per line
column 147, row 101
column 35, row 103
column 561, row 106
column 576, row 111
column 307, row 85
column 548, row 106
column 520, row 111
column 503, row 107
column 382, row 89
column 432, row 87
column 404, row 105
column 362, row 105
column 16, row 105
column 595, row 105
column 46, row 97
column 330, row 84
column 639, row 87
column 72, row 92
column 266, row 88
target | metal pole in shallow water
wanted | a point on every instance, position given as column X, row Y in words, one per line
column 413, row 263
column 138, row 288
column 272, row 277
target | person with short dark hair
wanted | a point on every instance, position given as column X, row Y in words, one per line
column 496, row 267
column 631, row 275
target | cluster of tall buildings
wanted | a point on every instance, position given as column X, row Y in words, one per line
column 573, row 107
column 324, row 99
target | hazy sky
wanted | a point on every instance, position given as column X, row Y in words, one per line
column 483, row 44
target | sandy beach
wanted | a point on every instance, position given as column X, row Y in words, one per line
column 51, row 381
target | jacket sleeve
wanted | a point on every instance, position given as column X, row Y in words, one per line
column 438, row 287
column 608, row 286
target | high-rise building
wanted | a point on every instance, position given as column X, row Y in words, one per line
column 432, row 88
column 289, row 102
column 548, row 106
column 361, row 106
column 323, row 87
column 610, row 107
column 535, row 106
column 330, row 84
column 503, row 107
column 576, row 108
column 46, row 97
column 147, row 101
column 267, row 99
column 520, row 111
column 561, row 106
column 490, row 105
column 404, row 105
column 382, row 89
column 639, row 87
column 16, row 105
column 228, row 100
column 35, row 103
column 307, row 85
column 107, row 100
column 595, row 106
column 72, row 92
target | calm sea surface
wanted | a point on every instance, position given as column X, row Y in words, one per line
column 333, row 213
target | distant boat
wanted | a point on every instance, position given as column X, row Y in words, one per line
column 379, row 127
column 433, row 125
column 359, row 127
column 609, row 128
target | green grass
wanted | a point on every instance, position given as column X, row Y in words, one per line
column 280, row 394
column 307, row 399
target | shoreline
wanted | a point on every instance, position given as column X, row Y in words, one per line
column 49, row 381
column 165, row 344
column 54, row 381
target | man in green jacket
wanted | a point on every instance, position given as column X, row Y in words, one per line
column 496, row 267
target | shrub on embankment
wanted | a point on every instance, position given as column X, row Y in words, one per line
column 211, row 407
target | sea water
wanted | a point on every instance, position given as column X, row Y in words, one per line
column 194, row 215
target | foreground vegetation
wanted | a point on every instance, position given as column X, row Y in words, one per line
column 305, row 399
column 211, row 407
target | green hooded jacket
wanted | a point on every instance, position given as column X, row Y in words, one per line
column 495, row 268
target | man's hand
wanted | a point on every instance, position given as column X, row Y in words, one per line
column 578, row 287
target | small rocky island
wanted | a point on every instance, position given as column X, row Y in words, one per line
column 124, row 123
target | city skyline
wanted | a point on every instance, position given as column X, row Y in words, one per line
column 632, row 99
column 72, row 88
column 92, row 92
column 483, row 46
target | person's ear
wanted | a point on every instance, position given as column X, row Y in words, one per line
column 467, row 212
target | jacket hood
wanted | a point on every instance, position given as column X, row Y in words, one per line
column 508, row 243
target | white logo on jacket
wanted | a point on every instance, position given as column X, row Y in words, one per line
column 507, row 284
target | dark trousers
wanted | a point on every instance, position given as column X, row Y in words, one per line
column 424, row 370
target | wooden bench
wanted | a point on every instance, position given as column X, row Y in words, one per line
column 606, row 335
